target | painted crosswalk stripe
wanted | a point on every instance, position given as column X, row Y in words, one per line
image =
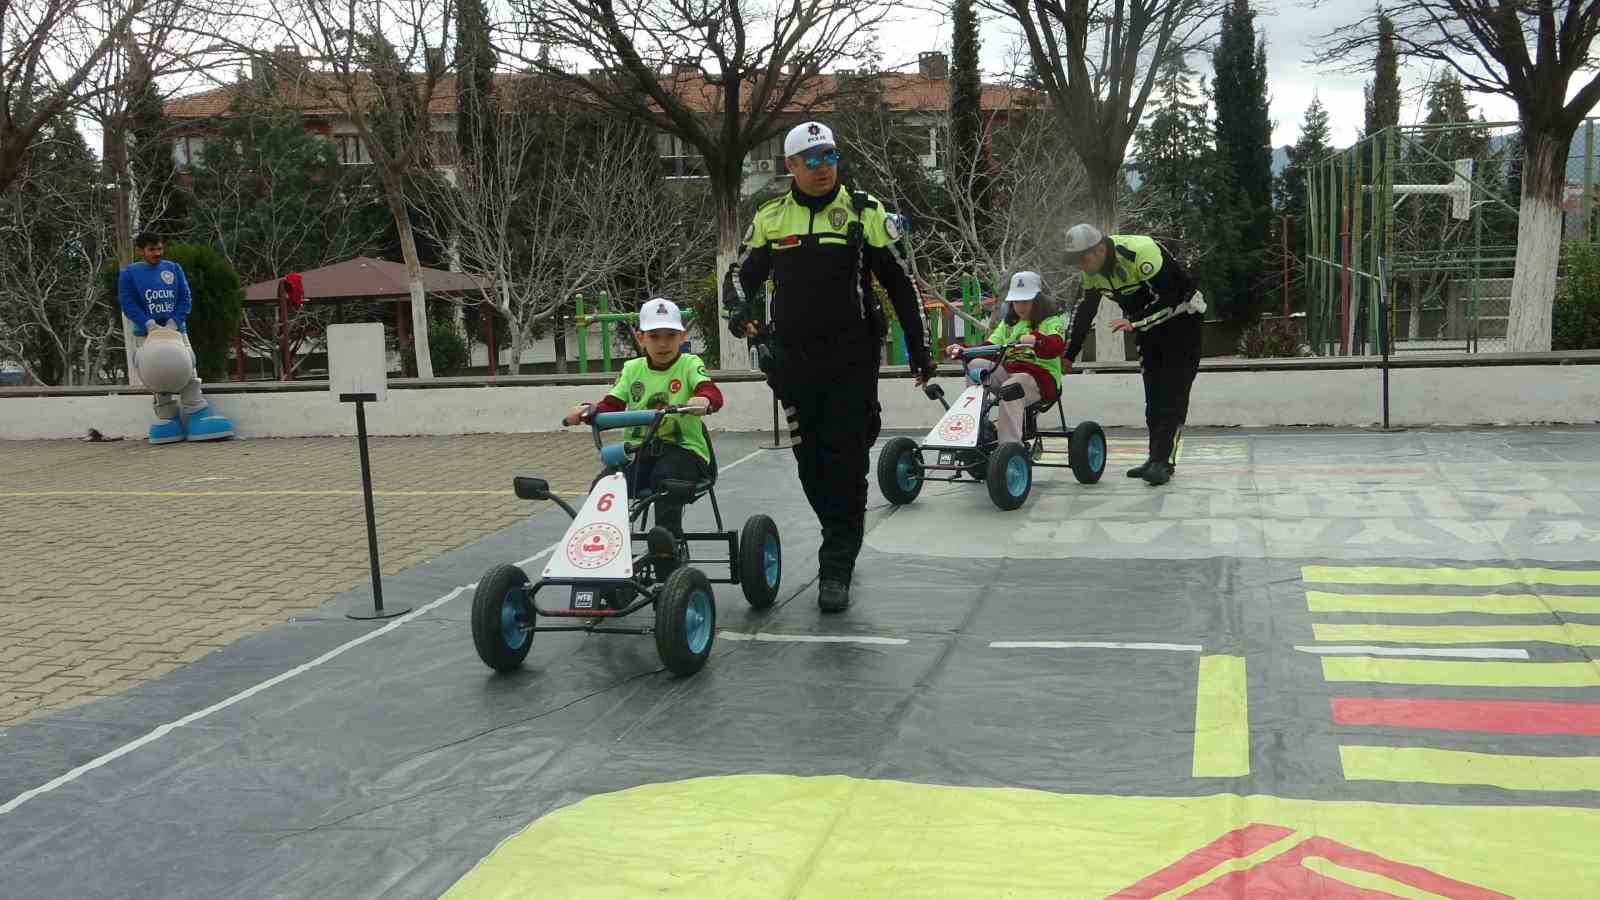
column 1221, row 719
column 1464, row 674
column 1428, row 765
column 1428, row 604
column 1492, row 716
column 1481, row 577
column 1091, row 645
column 1452, row 652
column 1570, row 634
column 813, row 638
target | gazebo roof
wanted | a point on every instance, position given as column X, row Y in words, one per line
column 366, row 279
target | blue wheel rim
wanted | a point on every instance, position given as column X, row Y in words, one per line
column 905, row 471
column 512, row 619
column 1097, row 452
column 1016, row 476
column 771, row 560
column 697, row 622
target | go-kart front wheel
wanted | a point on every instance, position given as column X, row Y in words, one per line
column 1010, row 476
column 1087, row 452
column 900, row 471
column 686, row 621
column 501, row 617
column 760, row 561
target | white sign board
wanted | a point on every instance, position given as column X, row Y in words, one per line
column 598, row 544
column 357, row 361
column 958, row 429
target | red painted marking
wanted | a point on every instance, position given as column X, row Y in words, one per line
column 1235, row 844
column 1285, row 876
column 1499, row 716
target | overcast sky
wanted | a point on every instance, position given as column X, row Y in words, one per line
column 1292, row 29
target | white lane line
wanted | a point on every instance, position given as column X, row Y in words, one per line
column 163, row 730
column 812, row 638
column 1092, row 645
column 1456, row 653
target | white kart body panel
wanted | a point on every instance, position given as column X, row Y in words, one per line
column 958, row 429
column 598, row 544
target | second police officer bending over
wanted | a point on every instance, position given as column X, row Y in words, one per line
column 1153, row 290
column 822, row 244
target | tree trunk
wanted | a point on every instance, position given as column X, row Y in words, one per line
column 558, row 333
column 1109, row 346
column 116, row 147
column 1414, row 327
column 1533, row 287
column 733, row 353
column 419, row 303
column 519, row 342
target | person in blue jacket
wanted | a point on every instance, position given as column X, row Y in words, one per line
column 153, row 291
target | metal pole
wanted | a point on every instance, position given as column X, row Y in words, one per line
column 1383, row 333
column 1344, row 281
column 1283, row 232
column 583, row 336
column 605, row 332
column 378, row 611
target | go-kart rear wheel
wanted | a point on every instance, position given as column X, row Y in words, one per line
column 686, row 621
column 1087, row 452
column 1010, row 476
column 900, row 471
column 501, row 616
column 760, row 561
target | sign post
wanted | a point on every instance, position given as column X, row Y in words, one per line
column 358, row 373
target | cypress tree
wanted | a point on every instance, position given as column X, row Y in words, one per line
column 966, row 108
column 1244, row 136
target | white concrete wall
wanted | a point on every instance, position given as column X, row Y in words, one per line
column 1502, row 395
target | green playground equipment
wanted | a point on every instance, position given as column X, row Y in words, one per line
column 603, row 320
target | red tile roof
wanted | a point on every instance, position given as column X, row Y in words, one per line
column 903, row 93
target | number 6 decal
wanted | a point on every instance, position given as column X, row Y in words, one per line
column 605, row 502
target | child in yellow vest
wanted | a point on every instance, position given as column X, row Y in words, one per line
column 1031, row 322
column 663, row 376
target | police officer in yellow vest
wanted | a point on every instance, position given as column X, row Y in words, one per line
column 821, row 244
column 1160, row 304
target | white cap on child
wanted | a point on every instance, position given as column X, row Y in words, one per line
column 660, row 313
column 1024, row 286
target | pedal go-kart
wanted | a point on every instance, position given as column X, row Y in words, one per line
column 607, row 579
column 968, row 447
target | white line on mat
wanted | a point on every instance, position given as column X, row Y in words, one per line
column 163, row 730
column 812, row 638
column 1091, row 645
column 1455, row 653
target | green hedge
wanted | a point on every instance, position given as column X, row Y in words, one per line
column 1575, row 321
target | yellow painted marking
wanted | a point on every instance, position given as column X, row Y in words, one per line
column 1431, row 766
column 1466, row 577
column 1501, row 604
column 1371, row 881
column 1237, row 864
column 1474, row 673
column 286, row 493
column 827, row 837
column 1574, row 635
column 1221, row 719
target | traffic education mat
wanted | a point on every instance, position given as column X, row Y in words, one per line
column 1317, row 664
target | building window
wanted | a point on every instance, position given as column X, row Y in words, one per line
column 351, row 151
column 187, row 150
column 679, row 159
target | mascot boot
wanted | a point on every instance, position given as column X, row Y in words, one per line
column 205, row 425
column 166, row 431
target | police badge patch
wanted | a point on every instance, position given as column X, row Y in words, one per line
column 1147, row 268
column 836, row 218
column 891, row 224
column 637, row 391
column 167, row 277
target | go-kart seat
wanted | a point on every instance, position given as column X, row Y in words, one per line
column 615, row 455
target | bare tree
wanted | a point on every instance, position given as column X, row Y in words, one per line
column 53, row 54
column 1098, row 61
column 1529, row 51
column 56, row 317
column 563, row 201
column 1003, row 210
column 718, row 77
column 379, row 63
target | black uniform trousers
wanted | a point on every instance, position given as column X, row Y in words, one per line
column 1169, row 358
column 830, row 398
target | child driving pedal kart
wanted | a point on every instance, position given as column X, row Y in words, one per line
column 663, row 377
column 1031, row 322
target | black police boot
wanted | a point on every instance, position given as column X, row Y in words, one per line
column 834, row 596
column 663, row 547
column 1157, row 472
column 1139, row 470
